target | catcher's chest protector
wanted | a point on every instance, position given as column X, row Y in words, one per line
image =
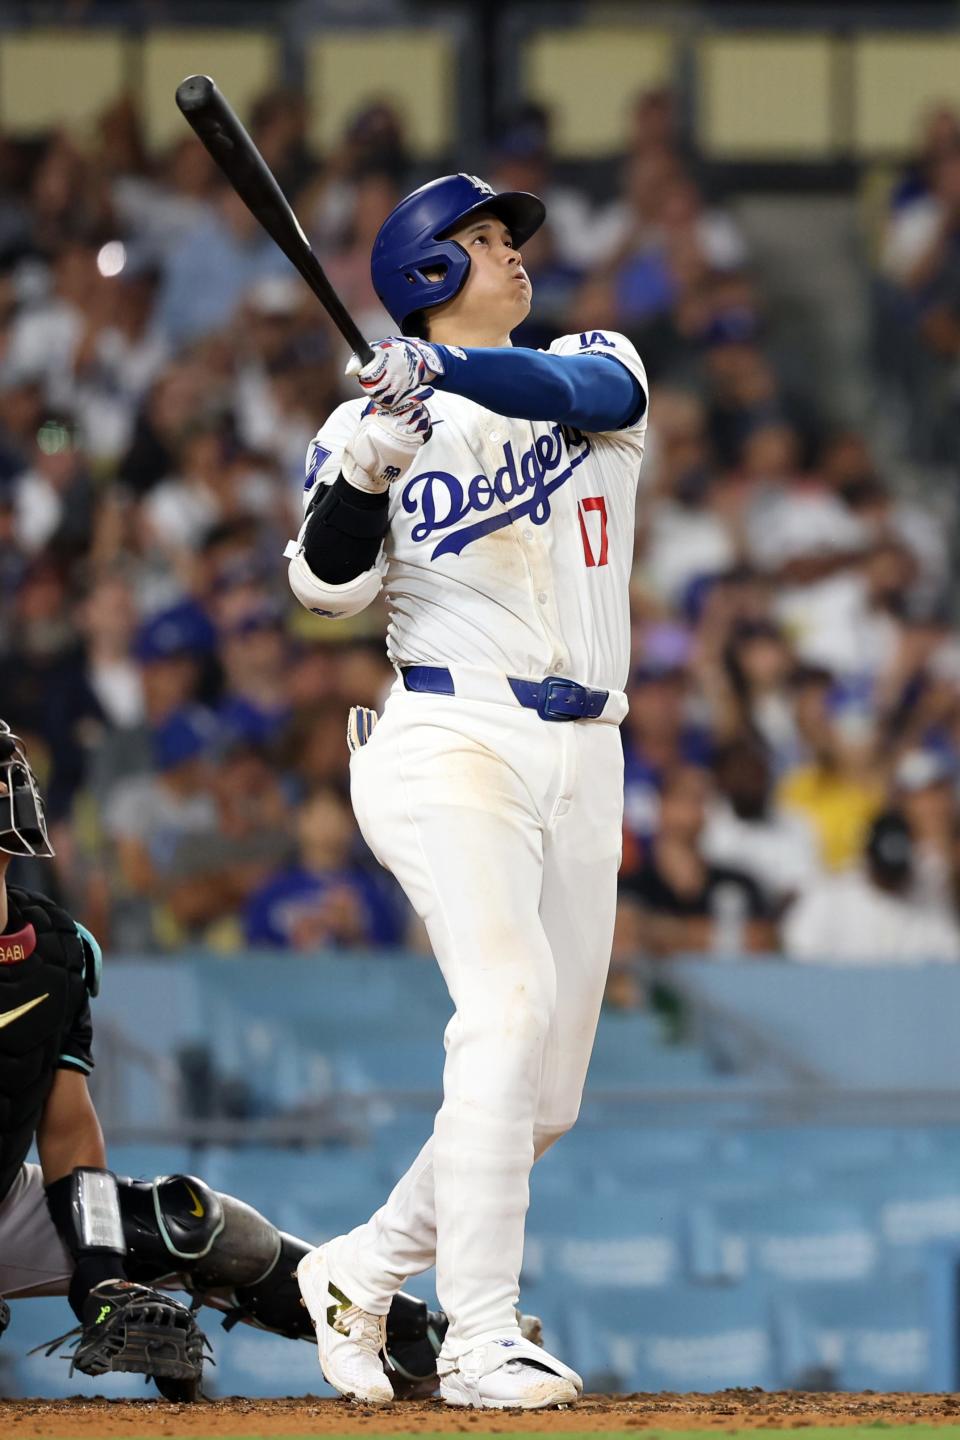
column 41, row 995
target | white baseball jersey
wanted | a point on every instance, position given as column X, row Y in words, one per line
column 511, row 541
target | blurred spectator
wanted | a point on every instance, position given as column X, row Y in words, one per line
column 835, row 788
column 658, row 737
column 324, row 898
column 925, row 794
column 148, row 816
column 347, row 264
column 108, row 621
column 21, row 414
column 939, row 136
column 746, row 830
column 215, row 481
column 54, row 496
column 374, row 141
column 922, row 231
column 253, row 651
column 523, row 160
column 160, row 207
column 213, row 266
column 866, row 915
column 685, row 534
column 847, row 468
column 314, row 753
column 653, row 122
column 744, row 666
column 278, row 124
column 285, row 377
column 679, row 901
column 170, row 652
column 215, row 867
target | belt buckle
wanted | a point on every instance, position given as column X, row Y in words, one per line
column 561, row 699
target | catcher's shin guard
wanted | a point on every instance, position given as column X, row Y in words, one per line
column 414, row 1336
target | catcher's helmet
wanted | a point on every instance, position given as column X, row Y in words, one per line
column 412, row 241
column 23, row 827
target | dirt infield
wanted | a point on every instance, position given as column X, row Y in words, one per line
column 726, row 1411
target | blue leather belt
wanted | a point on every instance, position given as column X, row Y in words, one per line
column 554, row 698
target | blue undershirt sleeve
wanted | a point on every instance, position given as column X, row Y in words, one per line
column 592, row 392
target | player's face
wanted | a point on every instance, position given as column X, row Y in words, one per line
column 497, row 293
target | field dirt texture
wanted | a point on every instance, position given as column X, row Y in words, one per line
column 84, row 1419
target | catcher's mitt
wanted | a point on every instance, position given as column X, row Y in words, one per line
column 139, row 1330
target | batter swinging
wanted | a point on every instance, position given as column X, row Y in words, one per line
column 497, row 511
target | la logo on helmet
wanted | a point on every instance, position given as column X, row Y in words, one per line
column 478, row 184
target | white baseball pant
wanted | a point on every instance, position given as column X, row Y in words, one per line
column 505, row 831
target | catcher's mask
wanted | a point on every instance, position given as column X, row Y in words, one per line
column 23, row 828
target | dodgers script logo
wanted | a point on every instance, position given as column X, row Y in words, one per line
column 529, row 479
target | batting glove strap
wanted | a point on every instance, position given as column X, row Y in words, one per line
column 398, row 369
column 384, row 447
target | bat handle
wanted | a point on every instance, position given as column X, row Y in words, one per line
column 359, row 360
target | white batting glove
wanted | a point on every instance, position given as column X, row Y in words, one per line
column 398, row 369
column 385, row 445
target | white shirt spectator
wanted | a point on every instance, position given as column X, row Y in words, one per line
column 846, row 920
column 910, row 234
column 37, row 511
column 720, row 239
column 155, row 213
column 685, row 543
column 786, row 522
column 778, row 852
column 832, row 624
column 181, row 511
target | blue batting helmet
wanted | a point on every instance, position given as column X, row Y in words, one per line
column 412, row 241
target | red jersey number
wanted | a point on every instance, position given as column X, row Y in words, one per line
column 593, row 504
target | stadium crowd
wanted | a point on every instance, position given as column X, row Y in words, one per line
column 794, row 732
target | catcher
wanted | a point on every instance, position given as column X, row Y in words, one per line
column 69, row 1226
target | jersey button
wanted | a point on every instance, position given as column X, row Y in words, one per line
column 542, row 597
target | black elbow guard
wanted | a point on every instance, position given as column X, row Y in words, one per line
column 344, row 530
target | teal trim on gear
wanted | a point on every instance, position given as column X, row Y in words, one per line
column 72, row 1060
column 94, row 953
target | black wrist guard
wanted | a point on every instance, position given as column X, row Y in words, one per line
column 85, row 1209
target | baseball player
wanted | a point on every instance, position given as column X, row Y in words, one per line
column 490, row 491
column 69, row 1226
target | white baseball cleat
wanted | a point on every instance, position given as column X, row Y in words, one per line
column 349, row 1339
column 507, row 1375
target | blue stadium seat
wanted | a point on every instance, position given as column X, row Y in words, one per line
column 398, row 1141
column 910, row 1205
column 822, row 1147
column 606, row 1240
column 144, row 1162
column 794, row 1239
column 686, row 1338
column 873, row 1336
column 315, row 1192
column 630, row 1051
column 390, row 1064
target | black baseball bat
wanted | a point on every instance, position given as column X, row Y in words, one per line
column 219, row 129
